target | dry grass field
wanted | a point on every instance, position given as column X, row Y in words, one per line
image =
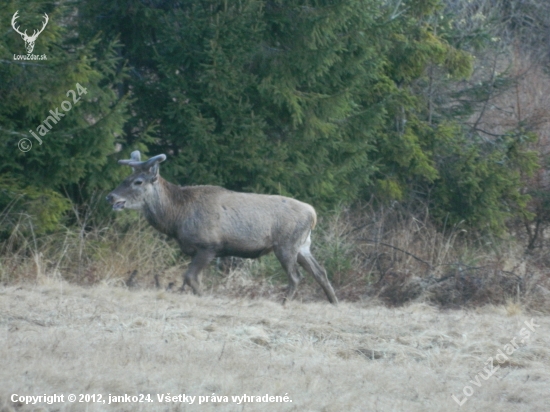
column 61, row 338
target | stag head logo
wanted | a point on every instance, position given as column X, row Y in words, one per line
column 29, row 40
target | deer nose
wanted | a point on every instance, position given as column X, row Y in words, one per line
column 110, row 198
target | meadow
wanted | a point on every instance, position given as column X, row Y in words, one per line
column 96, row 310
column 61, row 338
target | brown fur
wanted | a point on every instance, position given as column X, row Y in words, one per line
column 210, row 221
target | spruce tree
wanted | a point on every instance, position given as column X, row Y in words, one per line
column 70, row 148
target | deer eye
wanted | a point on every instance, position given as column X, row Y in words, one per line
column 138, row 182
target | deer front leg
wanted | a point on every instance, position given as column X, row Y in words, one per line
column 191, row 277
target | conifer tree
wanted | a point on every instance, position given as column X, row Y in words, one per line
column 285, row 97
column 55, row 142
column 328, row 101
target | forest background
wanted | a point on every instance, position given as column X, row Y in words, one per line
column 418, row 129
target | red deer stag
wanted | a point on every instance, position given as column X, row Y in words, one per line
column 210, row 221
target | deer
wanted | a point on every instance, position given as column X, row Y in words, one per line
column 29, row 40
column 210, row 221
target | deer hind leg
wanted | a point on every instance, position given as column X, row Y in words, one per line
column 198, row 263
column 308, row 262
column 288, row 259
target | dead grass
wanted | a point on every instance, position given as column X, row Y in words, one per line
column 57, row 337
column 390, row 254
column 398, row 257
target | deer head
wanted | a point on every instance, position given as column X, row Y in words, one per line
column 29, row 40
column 137, row 188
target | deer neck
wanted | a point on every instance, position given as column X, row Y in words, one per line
column 160, row 210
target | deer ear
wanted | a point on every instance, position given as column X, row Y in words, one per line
column 154, row 170
column 153, row 164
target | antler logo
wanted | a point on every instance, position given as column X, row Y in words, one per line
column 29, row 40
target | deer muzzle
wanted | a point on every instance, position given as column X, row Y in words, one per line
column 117, row 202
